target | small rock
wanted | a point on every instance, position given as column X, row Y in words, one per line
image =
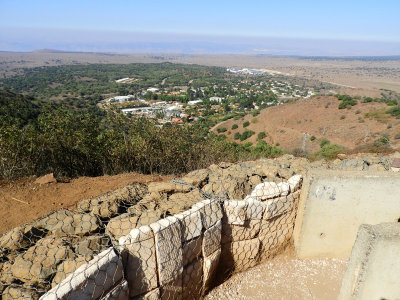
column 46, row 179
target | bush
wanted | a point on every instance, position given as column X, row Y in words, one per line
column 324, row 142
column 394, row 111
column 342, row 117
column 347, row 101
column 222, row 129
column 237, row 136
column 256, row 113
column 234, row 126
column 397, row 136
column 313, row 138
column 245, row 124
column 368, row 99
column 246, row 134
column 261, row 135
column 382, row 141
column 328, row 152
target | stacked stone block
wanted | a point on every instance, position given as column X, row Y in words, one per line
column 178, row 257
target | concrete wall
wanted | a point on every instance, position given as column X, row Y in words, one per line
column 179, row 256
column 372, row 271
column 335, row 203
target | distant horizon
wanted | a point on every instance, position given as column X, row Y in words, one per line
column 287, row 27
column 124, row 42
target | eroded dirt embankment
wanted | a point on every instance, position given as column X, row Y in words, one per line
column 23, row 200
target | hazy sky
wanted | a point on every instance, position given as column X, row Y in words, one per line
column 367, row 20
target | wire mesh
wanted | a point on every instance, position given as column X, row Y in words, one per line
column 164, row 240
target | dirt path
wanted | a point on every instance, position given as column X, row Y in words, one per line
column 286, row 278
column 22, row 200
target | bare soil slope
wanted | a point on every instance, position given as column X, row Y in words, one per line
column 319, row 116
column 22, row 200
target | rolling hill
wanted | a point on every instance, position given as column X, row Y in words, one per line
column 291, row 125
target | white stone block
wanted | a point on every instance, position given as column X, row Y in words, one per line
column 192, row 250
column 284, row 188
column 255, row 209
column 191, row 224
column 210, row 211
column 120, row 292
column 152, row 295
column 280, row 205
column 209, row 269
column 235, row 211
column 193, row 280
column 295, row 182
column 139, row 255
column 212, row 239
column 167, row 235
column 90, row 280
column 265, row 190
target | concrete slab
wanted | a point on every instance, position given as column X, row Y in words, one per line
column 372, row 271
column 333, row 204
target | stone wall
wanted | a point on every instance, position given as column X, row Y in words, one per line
column 179, row 257
column 167, row 239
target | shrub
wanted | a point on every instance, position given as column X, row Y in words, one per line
column 246, row 134
column 313, row 138
column 234, row 126
column 256, row 113
column 394, row 111
column 382, row 141
column 342, row 117
column 222, row 129
column 368, row 99
column 245, row 124
column 237, row 136
column 261, row 135
column 248, row 144
column 324, row 142
column 328, row 152
column 397, row 136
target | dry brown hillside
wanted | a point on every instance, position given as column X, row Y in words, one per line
column 319, row 116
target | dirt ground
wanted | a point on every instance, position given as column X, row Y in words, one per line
column 287, row 278
column 319, row 116
column 23, row 200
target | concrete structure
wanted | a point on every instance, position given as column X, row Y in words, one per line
column 372, row 271
column 335, row 203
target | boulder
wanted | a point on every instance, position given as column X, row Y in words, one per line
column 196, row 178
column 90, row 280
column 92, row 245
column 46, row 179
column 19, row 292
column 65, row 222
column 40, row 262
column 67, row 267
column 109, row 204
column 168, row 187
column 121, row 226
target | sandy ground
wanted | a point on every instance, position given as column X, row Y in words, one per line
column 22, row 200
column 285, row 277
